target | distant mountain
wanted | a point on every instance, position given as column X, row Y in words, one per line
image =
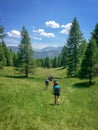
column 50, row 52
column 49, row 48
column 13, row 48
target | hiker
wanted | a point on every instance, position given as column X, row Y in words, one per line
column 56, row 92
column 50, row 78
column 46, row 83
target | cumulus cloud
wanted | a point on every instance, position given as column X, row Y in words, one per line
column 43, row 33
column 52, row 24
column 14, row 33
column 66, row 28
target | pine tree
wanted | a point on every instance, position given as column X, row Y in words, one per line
column 73, row 41
column 88, row 64
column 95, row 34
column 55, row 62
column 7, row 53
column 47, row 63
column 64, row 56
column 81, row 51
column 59, row 63
column 2, row 55
column 25, row 54
column 2, row 34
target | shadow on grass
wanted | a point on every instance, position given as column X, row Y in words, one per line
column 1, row 85
column 19, row 77
column 51, row 104
column 83, row 85
column 58, row 78
column 61, row 68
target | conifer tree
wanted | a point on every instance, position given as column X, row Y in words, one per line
column 8, row 55
column 88, row 70
column 64, row 56
column 81, row 51
column 73, row 41
column 2, row 55
column 2, row 34
column 47, row 62
column 25, row 55
column 95, row 34
column 55, row 62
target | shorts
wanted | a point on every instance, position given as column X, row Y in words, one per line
column 47, row 83
column 57, row 91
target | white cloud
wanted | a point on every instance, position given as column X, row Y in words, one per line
column 66, row 28
column 52, row 24
column 37, row 38
column 43, row 33
column 41, row 45
column 14, row 33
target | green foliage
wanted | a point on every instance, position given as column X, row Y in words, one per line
column 25, row 105
column 73, row 41
column 95, row 34
column 47, row 62
column 2, row 35
column 55, row 62
column 64, row 56
column 8, row 55
column 90, row 59
column 2, row 57
column 81, row 51
column 25, row 55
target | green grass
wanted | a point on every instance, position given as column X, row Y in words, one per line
column 25, row 105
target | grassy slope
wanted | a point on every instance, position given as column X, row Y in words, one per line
column 25, row 105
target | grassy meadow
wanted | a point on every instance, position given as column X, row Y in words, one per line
column 26, row 105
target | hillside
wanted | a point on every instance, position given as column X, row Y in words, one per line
column 26, row 105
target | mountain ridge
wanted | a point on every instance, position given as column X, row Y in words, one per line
column 49, row 51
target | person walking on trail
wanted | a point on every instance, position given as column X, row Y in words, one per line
column 46, row 83
column 56, row 91
column 50, row 78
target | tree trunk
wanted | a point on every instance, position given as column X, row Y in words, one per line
column 26, row 70
column 90, row 80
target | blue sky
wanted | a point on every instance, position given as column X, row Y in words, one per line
column 47, row 21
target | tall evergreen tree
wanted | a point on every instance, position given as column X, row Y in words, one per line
column 2, row 34
column 81, row 51
column 2, row 55
column 95, row 34
column 8, row 55
column 59, row 60
column 64, row 56
column 47, row 62
column 55, row 62
column 25, row 54
column 73, row 41
column 89, row 62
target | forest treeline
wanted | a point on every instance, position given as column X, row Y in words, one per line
column 78, row 56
